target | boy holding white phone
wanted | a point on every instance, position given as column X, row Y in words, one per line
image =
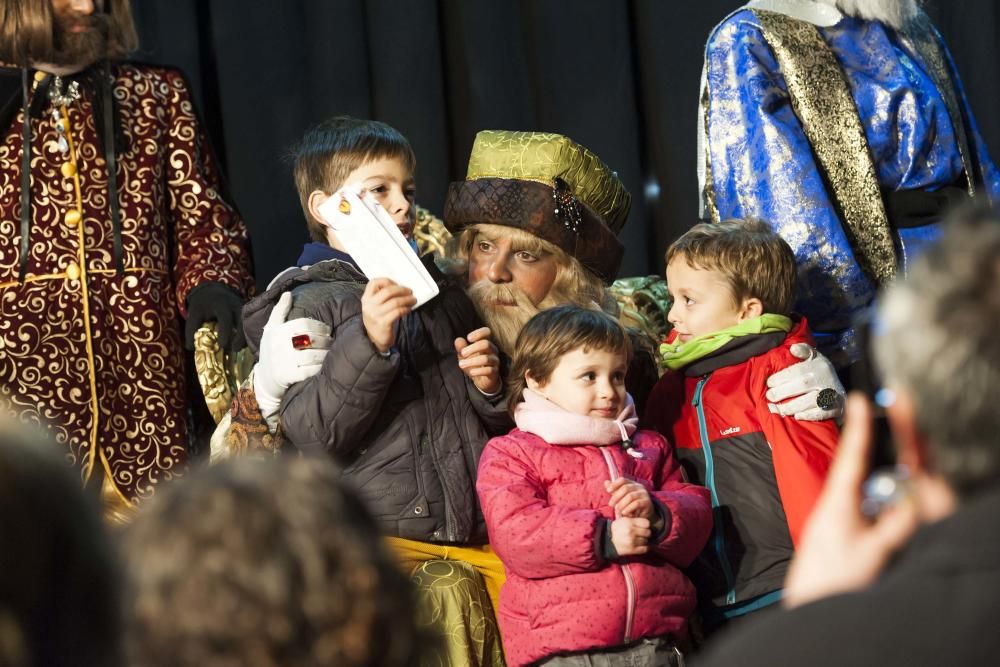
column 406, row 398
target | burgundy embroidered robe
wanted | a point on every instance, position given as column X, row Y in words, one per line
column 90, row 352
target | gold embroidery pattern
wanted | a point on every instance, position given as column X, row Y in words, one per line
column 452, row 604
column 176, row 233
column 541, row 157
column 247, row 432
column 219, row 373
column 430, row 233
column 80, row 277
column 708, row 194
column 822, row 101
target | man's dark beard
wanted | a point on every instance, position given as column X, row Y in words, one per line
column 79, row 48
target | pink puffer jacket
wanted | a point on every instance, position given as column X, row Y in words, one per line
column 545, row 507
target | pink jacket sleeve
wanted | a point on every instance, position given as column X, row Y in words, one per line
column 533, row 539
column 690, row 510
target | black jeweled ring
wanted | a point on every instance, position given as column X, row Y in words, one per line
column 827, row 399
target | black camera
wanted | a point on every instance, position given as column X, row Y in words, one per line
column 864, row 377
column 886, row 481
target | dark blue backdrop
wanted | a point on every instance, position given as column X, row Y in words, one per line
column 619, row 76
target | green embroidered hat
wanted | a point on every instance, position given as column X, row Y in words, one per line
column 549, row 186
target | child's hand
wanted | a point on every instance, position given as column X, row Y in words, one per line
column 479, row 360
column 630, row 499
column 630, row 536
column 382, row 305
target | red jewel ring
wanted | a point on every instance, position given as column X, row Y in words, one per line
column 301, row 342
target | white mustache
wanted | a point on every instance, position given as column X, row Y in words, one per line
column 504, row 309
column 486, row 294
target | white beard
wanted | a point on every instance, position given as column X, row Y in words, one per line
column 894, row 13
column 505, row 321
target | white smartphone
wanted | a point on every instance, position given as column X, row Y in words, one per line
column 372, row 239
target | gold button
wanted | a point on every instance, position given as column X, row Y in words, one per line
column 68, row 169
column 72, row 217
column 39, row 75
column 73, row 271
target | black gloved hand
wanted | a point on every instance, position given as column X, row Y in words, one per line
column 221, row 303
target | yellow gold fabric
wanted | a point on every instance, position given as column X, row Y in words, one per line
column 116, row 509
column 822, row 101
column 73, row 272
column 219, row 374
column 543, row 157
column 430, row 233
column 487, row 563
column 210, row 365
column 453, row 607
column 451, row 600
column 708, row 189
column 643, row 302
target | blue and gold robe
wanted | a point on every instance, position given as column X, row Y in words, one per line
column 759, row 163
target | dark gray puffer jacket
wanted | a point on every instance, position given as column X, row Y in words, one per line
column 409, row 428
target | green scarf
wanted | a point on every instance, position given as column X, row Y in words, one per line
column 678, row 355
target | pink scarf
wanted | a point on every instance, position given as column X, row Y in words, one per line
column 557, row 426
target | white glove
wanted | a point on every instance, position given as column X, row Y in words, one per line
column 281, row 365
column 802, row 382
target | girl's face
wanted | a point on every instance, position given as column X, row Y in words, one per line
column 586, row 382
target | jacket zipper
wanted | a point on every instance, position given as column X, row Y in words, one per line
column 720, row 538
column 449, row 520
column 626, row 572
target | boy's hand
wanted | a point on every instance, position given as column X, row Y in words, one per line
column 382, row 305
column 630, row 536
column 479, row 360
column 630, row 499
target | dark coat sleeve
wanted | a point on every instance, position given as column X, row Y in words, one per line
column 449, row 316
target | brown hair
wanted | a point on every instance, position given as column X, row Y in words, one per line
column 26, row 31
column 266, row 563
column 554, row 332
column 330, row 151
column 755, row 261
column 935, row 340
column 59, row 592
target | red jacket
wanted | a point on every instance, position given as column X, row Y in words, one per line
column 546, row 507
column 764, row 471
